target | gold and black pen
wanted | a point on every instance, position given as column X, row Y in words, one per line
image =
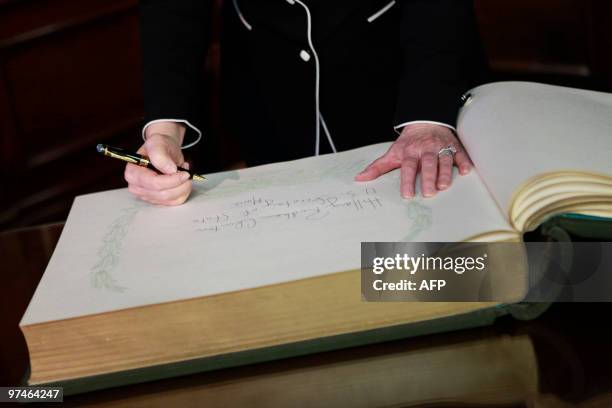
column 140, row 160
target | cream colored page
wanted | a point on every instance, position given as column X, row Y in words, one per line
column 517, row 130
column 244, row 229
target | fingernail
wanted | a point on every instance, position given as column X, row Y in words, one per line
column 428, row 194
column 185, row 176
column 407, row 193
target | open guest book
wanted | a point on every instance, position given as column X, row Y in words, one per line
column 263, row 263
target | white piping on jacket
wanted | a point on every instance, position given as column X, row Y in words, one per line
column 317, row 73
column 186, row 122
column 398, row 128
column 320, row 122
column 326, row 130
column 241, row 16
column 381, row 11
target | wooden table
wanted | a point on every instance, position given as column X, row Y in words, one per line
column 571, row 351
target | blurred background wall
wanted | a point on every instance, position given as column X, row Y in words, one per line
column 70, row 78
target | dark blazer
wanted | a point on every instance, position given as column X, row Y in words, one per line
column 380, row 64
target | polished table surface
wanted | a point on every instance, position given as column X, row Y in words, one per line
column 572, row 345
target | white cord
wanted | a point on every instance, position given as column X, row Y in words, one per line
column 317, row 74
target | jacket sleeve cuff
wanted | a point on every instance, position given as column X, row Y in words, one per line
column 398, row 128
column 192, row 133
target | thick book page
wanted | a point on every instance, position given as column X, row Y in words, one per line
column 515, row 131
column 244, row 229
column 459, row 372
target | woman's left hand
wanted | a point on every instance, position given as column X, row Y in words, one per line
column 417, row 149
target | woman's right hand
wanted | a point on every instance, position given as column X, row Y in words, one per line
column 163, row 148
